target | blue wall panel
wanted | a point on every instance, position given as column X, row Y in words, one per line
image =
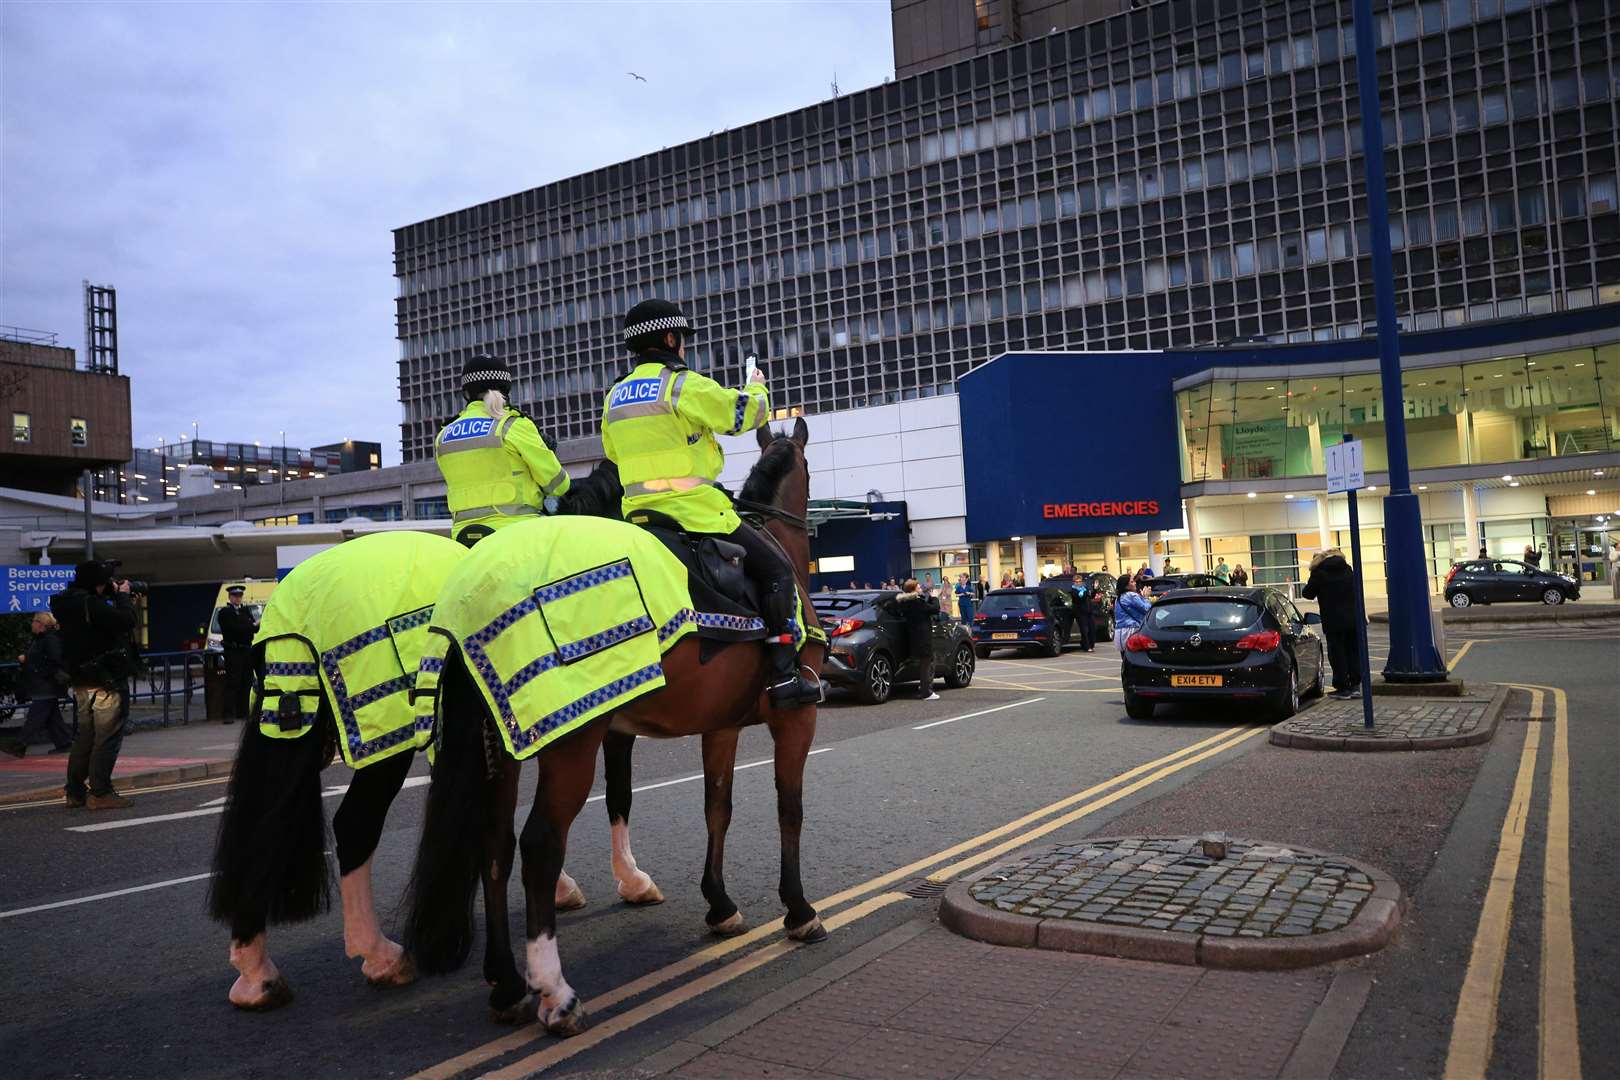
column 882, row 548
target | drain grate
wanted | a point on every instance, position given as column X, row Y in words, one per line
column 926, row 889
column 1526, row 719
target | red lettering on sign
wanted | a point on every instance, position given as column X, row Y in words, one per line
column 1127, row 508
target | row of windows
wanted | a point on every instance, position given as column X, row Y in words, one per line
column 22, row 429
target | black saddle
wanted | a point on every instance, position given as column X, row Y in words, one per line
column 724, row 596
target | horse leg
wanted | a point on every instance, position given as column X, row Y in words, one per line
column 509, row 995
column 635, row 886
column 719, row 758
column 792, row 733
column 259, row 984
column 356, row 828
column 567, row 768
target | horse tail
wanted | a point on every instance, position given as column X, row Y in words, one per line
column 270, row 860
column 450, row 854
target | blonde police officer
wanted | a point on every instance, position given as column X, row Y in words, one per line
column 497, row 469
column 658, row 426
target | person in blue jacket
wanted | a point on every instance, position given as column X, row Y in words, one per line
column 1130, row 610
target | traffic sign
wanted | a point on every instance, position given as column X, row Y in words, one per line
column 30, row 588
column 1345, row 471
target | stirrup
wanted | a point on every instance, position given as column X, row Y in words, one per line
column 797, row 691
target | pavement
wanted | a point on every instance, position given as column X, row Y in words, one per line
column 1400, row 723
column 151, row 756
column 900, row 799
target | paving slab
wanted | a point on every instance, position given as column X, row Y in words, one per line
column 1399, row 723
column 1215, row 902
column 151, row 756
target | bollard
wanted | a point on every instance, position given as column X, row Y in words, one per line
column 1214, row 845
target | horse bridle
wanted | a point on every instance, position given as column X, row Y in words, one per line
column 749, row 506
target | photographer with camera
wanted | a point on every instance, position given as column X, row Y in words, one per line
column 96, row 617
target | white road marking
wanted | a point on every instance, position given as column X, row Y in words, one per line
column 217, row 807
column 102, row 896
column 699, row 776
column 981, row 712
column 212, row 802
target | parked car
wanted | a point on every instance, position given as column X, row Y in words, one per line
column 1497, row 581
column 1164, row 583
column 1035, row 616
column 868, row 647
column 1221, row 644
column 1100, row 592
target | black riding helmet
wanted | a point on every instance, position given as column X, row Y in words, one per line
column 483, row 373
column 646, row 324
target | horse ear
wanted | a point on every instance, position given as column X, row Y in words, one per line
column 764, row 435
column 801, row 431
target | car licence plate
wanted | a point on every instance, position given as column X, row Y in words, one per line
column 1003, row 637
column 1195, row 680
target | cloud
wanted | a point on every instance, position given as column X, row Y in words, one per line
column 235, row 170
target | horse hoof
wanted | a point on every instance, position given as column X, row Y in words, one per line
column 520, row 1011
column 646, row 897
column 573, row 900
column 565, row 1022
column 272, row 994
column 730, row 927
column 810, row 933
column 401, row 973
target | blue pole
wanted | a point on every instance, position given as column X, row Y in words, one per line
column 1412, row 653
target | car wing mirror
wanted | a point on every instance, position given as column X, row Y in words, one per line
column 1312, row 619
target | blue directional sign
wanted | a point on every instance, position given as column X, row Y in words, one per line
column 30, row 588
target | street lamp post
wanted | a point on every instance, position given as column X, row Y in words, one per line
column 281, row 474
column 1412, row 653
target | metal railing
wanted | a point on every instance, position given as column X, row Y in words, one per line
column 166, row 680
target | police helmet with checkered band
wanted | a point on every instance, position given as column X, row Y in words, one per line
column 648, row 322
column 483, row 373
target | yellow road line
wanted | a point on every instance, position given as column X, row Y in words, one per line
column 562, row 1051
column 688, row 964
column 1474, row 1028
column 1456, row 657
column 1560, row 1034
column 56, row 800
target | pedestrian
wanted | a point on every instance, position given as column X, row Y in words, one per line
column 1482, row 550
column 43, row 680
column 96, row 618
column 497, row 467
column 919, row 609
column 1130, row 609
column 1006, row 581
column 1532, row 555
column 1332, row 584
column 237, row 625
column 1239, row 576
column 1018, row 578
column 965, row 599
column 1084, row 593
column 1223, row 572
column 1614, row 568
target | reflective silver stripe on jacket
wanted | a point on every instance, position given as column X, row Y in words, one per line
column 556, row 481
column 508, row 510
column 493, row 441
column 659, row 487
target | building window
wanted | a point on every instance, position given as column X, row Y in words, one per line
column 22, row 427
column 79, row 430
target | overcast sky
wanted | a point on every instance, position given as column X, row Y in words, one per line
column 234, row 170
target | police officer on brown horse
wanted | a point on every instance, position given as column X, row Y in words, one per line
column 658, row 426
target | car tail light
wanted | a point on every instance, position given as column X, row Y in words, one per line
column 847, row 626
column 1139, row 643
column 981, row 617
column 1261, row 641
column 1451, row 574
column 1035, row 615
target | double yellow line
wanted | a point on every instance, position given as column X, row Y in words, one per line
column 955, row 859
column 1473, row 1032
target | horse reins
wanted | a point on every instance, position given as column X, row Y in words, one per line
column 749, row 506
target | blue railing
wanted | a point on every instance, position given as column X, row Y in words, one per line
column 167, row 679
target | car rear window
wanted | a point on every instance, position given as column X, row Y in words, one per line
column 838, row 604
column 1010, row 602
column 1203, row 615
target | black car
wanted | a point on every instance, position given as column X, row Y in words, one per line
column 1496, row 581
column 868, row 647
column 1165, row 583
column 1224, row 643
column 1035, row 616
column 1099, row 590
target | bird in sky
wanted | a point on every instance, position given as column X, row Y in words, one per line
column 633, row 75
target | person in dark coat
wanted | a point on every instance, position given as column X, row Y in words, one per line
column 44, row 681
column 919, row 609
column 1084, row 611
column 97, row 618
column 236, row 629
column 1332, row 585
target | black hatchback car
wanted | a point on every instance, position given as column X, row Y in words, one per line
column 1225, row 644
column 868, row 648
column 1165, row 583
column 1496, row 581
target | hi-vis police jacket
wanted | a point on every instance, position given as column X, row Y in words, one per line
column 659, row 425
column 350, row 626
column 495, row 471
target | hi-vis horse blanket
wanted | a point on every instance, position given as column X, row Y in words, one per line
column 559, row 620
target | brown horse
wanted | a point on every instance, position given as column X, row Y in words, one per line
column 467, row 834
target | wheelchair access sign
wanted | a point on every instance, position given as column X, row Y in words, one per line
column 30, row 588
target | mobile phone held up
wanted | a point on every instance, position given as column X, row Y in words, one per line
column 750, row 365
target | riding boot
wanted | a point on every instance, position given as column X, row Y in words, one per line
column 789, row 686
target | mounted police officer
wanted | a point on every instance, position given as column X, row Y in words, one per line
column 497, row 468
column 658, row 426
